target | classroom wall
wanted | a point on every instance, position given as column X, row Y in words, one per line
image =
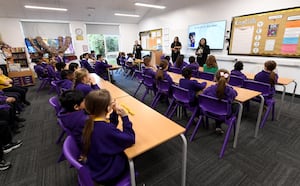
column 11, row 33
column 176, row 23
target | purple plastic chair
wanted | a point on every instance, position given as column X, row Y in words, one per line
column 55, row 86
column 149, row 85
column 54, row 102
column 72, row 153
column 140, row 78
column 206, row 76
column 265, row 89
column 175, row 70
column 216, row 109
column 195, row 73
column 163, row 88
column 236, row 81
column 181, row 97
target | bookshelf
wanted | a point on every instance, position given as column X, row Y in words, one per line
column 19, row 56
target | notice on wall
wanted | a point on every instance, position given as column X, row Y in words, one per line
column 274, row 33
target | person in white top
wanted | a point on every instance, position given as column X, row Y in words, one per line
column 3, row 62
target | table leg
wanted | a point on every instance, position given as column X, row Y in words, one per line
column 281, row 102
column 184, row 160
column 132, row 173
column 262, row 102
column 238, row 124
column 295, row 87
column 108, row 74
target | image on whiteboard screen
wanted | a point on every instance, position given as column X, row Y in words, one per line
column 214, row 33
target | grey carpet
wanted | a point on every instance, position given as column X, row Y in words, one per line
column 271, row 159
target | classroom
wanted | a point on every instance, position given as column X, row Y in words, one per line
column 149, row 92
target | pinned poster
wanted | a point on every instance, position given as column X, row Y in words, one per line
column 85, row 48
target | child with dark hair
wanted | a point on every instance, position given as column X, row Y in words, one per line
column 103, row 143
column 162, row 74
column 73, row 66
column 67, row 77
column 238, row 67
column 85, row 64
column 179, row 63
column 102, row 68
column 194, row 66
column 59, row 67
column 268, row 75
column 149, row 69
column 72, row 114
column 222, row 91
column 192, row 85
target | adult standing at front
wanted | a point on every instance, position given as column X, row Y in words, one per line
column 202, row 51
column 175, row 47
column 137, row 50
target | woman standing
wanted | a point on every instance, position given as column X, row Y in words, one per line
column 175, row 47
column 202, row 51
column 137, row 50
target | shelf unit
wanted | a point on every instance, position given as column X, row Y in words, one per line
column 19, row 56
column 22, row 78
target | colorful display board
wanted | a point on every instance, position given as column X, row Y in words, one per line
column 274, row 33
column 151, row 40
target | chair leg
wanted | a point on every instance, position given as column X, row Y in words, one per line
column 191, row 120
column 273, row 111
column 173, row 111
column 146, row 92
column 169, row 108
column 137, row 89
column 263, row 121
column 226, row 140
column 155, row 100
column 196, row 128
column 60, row 137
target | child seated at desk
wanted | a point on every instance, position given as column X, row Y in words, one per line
column 67, row 77
column 103, row 142
column 238, row 67
column 192, row 85
column 222, row 91
column 59, row 67
column 101, row 67
column 179, row 63
column 149, row 69
column 194, row 66
column 84, row 82
column 268, row 75
column 210, row 65
column 72, row 114
column 73, row 66
column 162, row 73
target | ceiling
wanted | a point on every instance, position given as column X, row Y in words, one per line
column 87, row 10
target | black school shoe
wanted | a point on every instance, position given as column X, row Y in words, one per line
column 4, row 165
column 11, row 146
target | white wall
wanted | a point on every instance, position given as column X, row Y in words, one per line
column 11, row 33
column 177, row 23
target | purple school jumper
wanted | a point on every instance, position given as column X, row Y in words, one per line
column 229, row 93
column 193, row 66
column 149, row 72
column 74, row 121
column 106, row 159
column 264, row 77
column 66, row 84
column 192, row 85
column 85, row 64
column 85, row 89
column 101, row 69
column 238, row 74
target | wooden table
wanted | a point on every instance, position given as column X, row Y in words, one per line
column 139, row 62
column 281, row 82
column 112, row 69
column 151, row 129
column 243, row 96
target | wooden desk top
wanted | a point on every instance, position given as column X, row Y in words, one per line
column 243, row 94
column 115, row 91
column 151, row 128
column 281, row 80
column 115, row 67
column 138, row 61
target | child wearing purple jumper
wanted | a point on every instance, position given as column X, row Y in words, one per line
column 84, row 82
column 103, row 142
column 222, row 91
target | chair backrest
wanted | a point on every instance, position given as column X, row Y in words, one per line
column 181, row 94
column 72, row 153
column 175, row 70
column 195, row 73
column 206, row 76
column 264, row 88
column 163, row 86
column 54, row 102
column 214, row 107
column 236, row 81
column 139, row 75
column 62, row 125
column 148, row 80
column 55, row 84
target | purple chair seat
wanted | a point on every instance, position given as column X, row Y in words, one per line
column 175, row 70
column 216, row 109
column 206, row 76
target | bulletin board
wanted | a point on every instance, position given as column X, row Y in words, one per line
column 151, row 39
column 274, row 33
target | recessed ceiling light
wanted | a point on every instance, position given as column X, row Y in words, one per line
column 149, row 5
column 45, row 8
column 127, row 15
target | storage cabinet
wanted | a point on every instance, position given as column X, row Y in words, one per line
column 19, row 56
column 22, row 78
